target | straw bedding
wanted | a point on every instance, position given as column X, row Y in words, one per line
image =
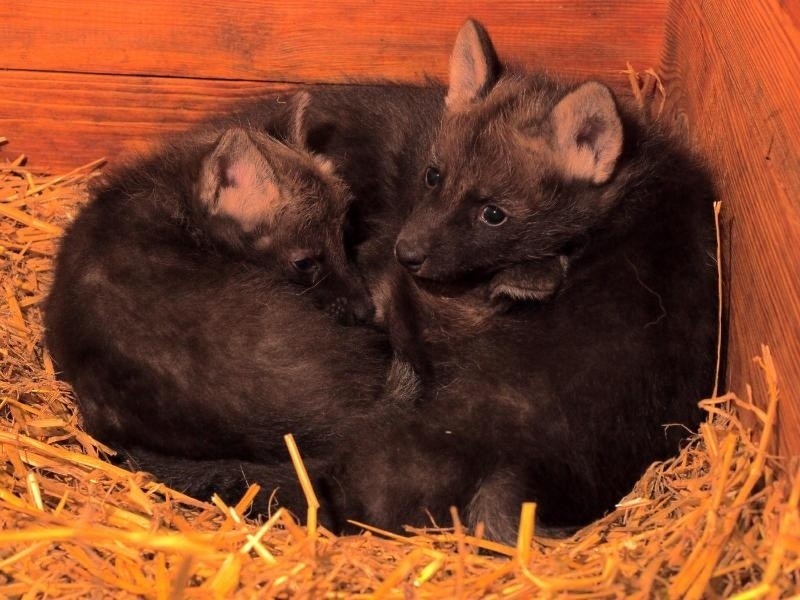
column 720, row 519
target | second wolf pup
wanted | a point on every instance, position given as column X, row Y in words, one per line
column 185, row 309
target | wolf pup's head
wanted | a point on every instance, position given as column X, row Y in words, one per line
column 519, row 167
column 283, row 206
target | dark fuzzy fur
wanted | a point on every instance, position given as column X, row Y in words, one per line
column 377, row 136
column 563, row 402
column 561, row 398
column 186, row 342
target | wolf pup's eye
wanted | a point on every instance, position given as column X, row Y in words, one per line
column 491, row 215
column 304, row 265
column 432, row 177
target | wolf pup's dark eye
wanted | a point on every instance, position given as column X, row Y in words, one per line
column 304, row 265
column 491, row 215
column 432, row 177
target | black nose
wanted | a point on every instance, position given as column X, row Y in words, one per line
column 363, row 309
column 410, row 255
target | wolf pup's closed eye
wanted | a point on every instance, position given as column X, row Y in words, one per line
column 280, row 205
column 183, row 311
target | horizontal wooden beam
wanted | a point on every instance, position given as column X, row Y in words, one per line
column 309, row 41
column 64, row 120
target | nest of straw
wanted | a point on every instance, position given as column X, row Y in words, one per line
column 720, row 519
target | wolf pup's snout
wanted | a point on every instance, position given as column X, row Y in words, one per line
column 411, row 255
column 346, row 298
column 362, row 309
column 352, row 310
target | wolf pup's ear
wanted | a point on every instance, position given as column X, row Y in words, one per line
column 588, row 133
column 236, row 181
column 525, row 282
column 308, row 128
column 298, row 129
column 307, row 132
column 474, row 67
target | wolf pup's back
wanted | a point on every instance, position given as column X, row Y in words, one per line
column 185, row 309
column 600, row 229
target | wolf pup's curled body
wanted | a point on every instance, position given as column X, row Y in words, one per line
column 185, row 311
column 555, row 195
column 553, row 285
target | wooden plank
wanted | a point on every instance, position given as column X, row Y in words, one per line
column 305, row 40
column 731, row 71
column 63, row 120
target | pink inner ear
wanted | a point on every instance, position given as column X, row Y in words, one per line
column 240, row 173
column 469, row 69
column 248, row 194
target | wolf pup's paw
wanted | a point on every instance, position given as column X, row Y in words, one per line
column 529, row 282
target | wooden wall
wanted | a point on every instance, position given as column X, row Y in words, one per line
column 733, row 74
column 86, row 79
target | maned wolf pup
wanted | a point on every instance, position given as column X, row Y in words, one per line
column 183, row 313
column 536, row 188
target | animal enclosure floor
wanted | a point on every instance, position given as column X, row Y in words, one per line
column 721, row 518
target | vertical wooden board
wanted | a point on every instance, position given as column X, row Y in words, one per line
column 731, row 70
column 271, row 40
column 63, row 120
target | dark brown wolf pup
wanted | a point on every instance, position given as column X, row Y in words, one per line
column 185, row 309
column 539, row 188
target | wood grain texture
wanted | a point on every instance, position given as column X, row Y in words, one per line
column 93, row 79
column 311, row 41
column 732, row 74
column 64, row 120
